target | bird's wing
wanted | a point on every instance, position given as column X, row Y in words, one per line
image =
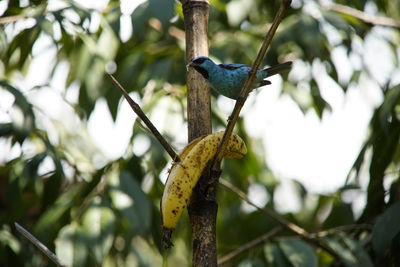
column 232, row 66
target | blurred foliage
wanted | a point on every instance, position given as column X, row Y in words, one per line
column 95, row 212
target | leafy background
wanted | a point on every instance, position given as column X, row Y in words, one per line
column 92, row 210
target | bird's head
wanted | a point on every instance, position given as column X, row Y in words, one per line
column 202, row 65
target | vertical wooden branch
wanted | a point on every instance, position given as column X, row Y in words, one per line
column 203, row 207
column 196, row 28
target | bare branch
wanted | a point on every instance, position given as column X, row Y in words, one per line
column 367, row 18
column 10, row 19
column 249, row 245
column 38, row 244
column 136, row 108
column 291, row 226
column 343, row 228
column 303, row 234
column 285, row 4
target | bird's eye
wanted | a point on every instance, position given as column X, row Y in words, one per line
column 199, row 60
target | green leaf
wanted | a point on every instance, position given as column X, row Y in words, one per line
column 355, row 77
column 130, row 200
column 392, row 98
column 384, row 146
column 386, row 228
column 139, row 17
column 359, row 252
column 99, row 224
column 48, row 222
column 8, row 240
column 253, row 262
column 319, row 102
column 71, row 246
column 18, row 55
column 20, row 129
column 337, row 21
column 30, row 177
column 350, row 251
column 159, row 9
column 341, row 214
column 303, row 34
column 3, row 42
column 46, row 25
column 275, row 256
column 299, row 253
column 238, row 10
column 6, row 129
column 107, row 43
column 162, row 10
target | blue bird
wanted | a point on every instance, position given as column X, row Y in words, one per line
column 229, row 79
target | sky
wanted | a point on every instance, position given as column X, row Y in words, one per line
column 317, row 152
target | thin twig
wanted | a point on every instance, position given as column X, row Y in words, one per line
column 30, row 14
column 285, row 4
column 283, row 221
column 249, row 245
column 10, row 19
column 136, row 108
column 343, row 228
column 367, row 18
column 38, row 244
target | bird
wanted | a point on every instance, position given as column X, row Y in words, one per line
column 228, row 79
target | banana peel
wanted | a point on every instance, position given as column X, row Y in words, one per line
column 184, row 175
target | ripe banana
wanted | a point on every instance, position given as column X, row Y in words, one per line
column 184, row 175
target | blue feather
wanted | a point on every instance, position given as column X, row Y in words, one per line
column 229, row 79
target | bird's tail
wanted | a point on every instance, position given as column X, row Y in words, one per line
column 278, row 68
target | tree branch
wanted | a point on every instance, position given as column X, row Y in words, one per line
column 285, row 4
column 367, row 18
column 203, row 207
column 303, row 234
column 38, row 244
column 139, row 112
column 343, row 228
column 249, row 245
column 10, row 19
column 282, row 220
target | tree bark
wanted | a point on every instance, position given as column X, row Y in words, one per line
column 198, row 96
column 203, row 206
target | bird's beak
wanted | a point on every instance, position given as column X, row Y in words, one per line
column 190, row 64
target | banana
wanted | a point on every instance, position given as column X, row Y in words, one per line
column 184, row 175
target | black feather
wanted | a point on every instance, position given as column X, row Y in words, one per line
column 199, row 60
column 202, row 71
column 278, row 68
column 264, row 82
column 231, row 66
